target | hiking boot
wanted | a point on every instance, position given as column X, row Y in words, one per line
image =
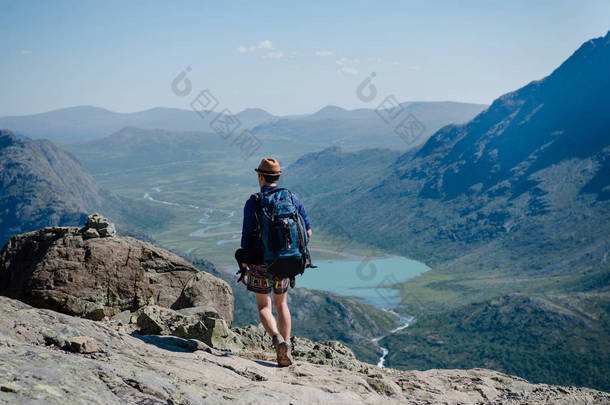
column 282, row 349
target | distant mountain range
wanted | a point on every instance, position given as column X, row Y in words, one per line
column 83, row 123
column 517, row 200
column 362, row 128
column 330, row 126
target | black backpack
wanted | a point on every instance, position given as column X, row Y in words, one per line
column 282, row 235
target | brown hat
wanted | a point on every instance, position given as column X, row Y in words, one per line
column 269, row 166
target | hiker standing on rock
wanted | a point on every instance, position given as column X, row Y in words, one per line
column 273, row 251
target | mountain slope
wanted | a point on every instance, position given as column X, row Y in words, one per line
column 560, row 117
column 132, row 147
column 541, row 338
column 514, row 201
column 42, row 185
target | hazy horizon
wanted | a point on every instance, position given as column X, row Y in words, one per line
column 236, row 112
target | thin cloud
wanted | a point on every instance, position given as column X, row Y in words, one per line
column 25, row 52
column 273, row 55
column 266, row 44
column 348, row 70
column 348, row 62
column 325, row 53
column 414, row 67
column 395, row 63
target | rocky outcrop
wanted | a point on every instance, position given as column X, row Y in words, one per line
column 205, row 325
column 201, row 323
column 68, row 270
column 52, row 358
column 99, row 225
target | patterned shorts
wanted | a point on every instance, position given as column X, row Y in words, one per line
column 258, row 280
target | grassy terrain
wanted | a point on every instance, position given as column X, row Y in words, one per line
column 559, row 338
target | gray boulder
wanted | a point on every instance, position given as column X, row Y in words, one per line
column 201, row 323
column 60, row 269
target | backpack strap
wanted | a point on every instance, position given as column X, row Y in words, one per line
column 257, row 199
column 305, row 248
column 274, row 190
column 241, row 272
column 257, row 215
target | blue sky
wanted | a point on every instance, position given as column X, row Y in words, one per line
column 281, row 57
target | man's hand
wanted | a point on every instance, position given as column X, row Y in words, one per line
column 309, row 232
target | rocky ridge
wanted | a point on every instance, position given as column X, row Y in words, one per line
column 53, row 358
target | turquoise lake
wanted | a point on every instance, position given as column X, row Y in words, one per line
column 363, row 278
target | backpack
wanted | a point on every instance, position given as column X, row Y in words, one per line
column 282, row 235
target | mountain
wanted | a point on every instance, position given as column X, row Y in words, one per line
column 42, row 185
column 252, row 117
column 352, row 128
column 360, row 128
column 515, row 201
column 82, row 123
column 330, row 112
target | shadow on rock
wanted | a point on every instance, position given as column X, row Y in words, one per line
column 174, row 344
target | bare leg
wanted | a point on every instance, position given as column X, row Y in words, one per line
column 263, row 302
column 283, row 314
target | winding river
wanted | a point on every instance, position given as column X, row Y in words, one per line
column 368, row 279
column 403, row 322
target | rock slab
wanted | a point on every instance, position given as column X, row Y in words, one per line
column 64, row 269
column 170, row 370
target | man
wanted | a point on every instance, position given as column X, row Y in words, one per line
column 259, row 281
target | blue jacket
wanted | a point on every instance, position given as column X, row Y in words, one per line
column 249, row 239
